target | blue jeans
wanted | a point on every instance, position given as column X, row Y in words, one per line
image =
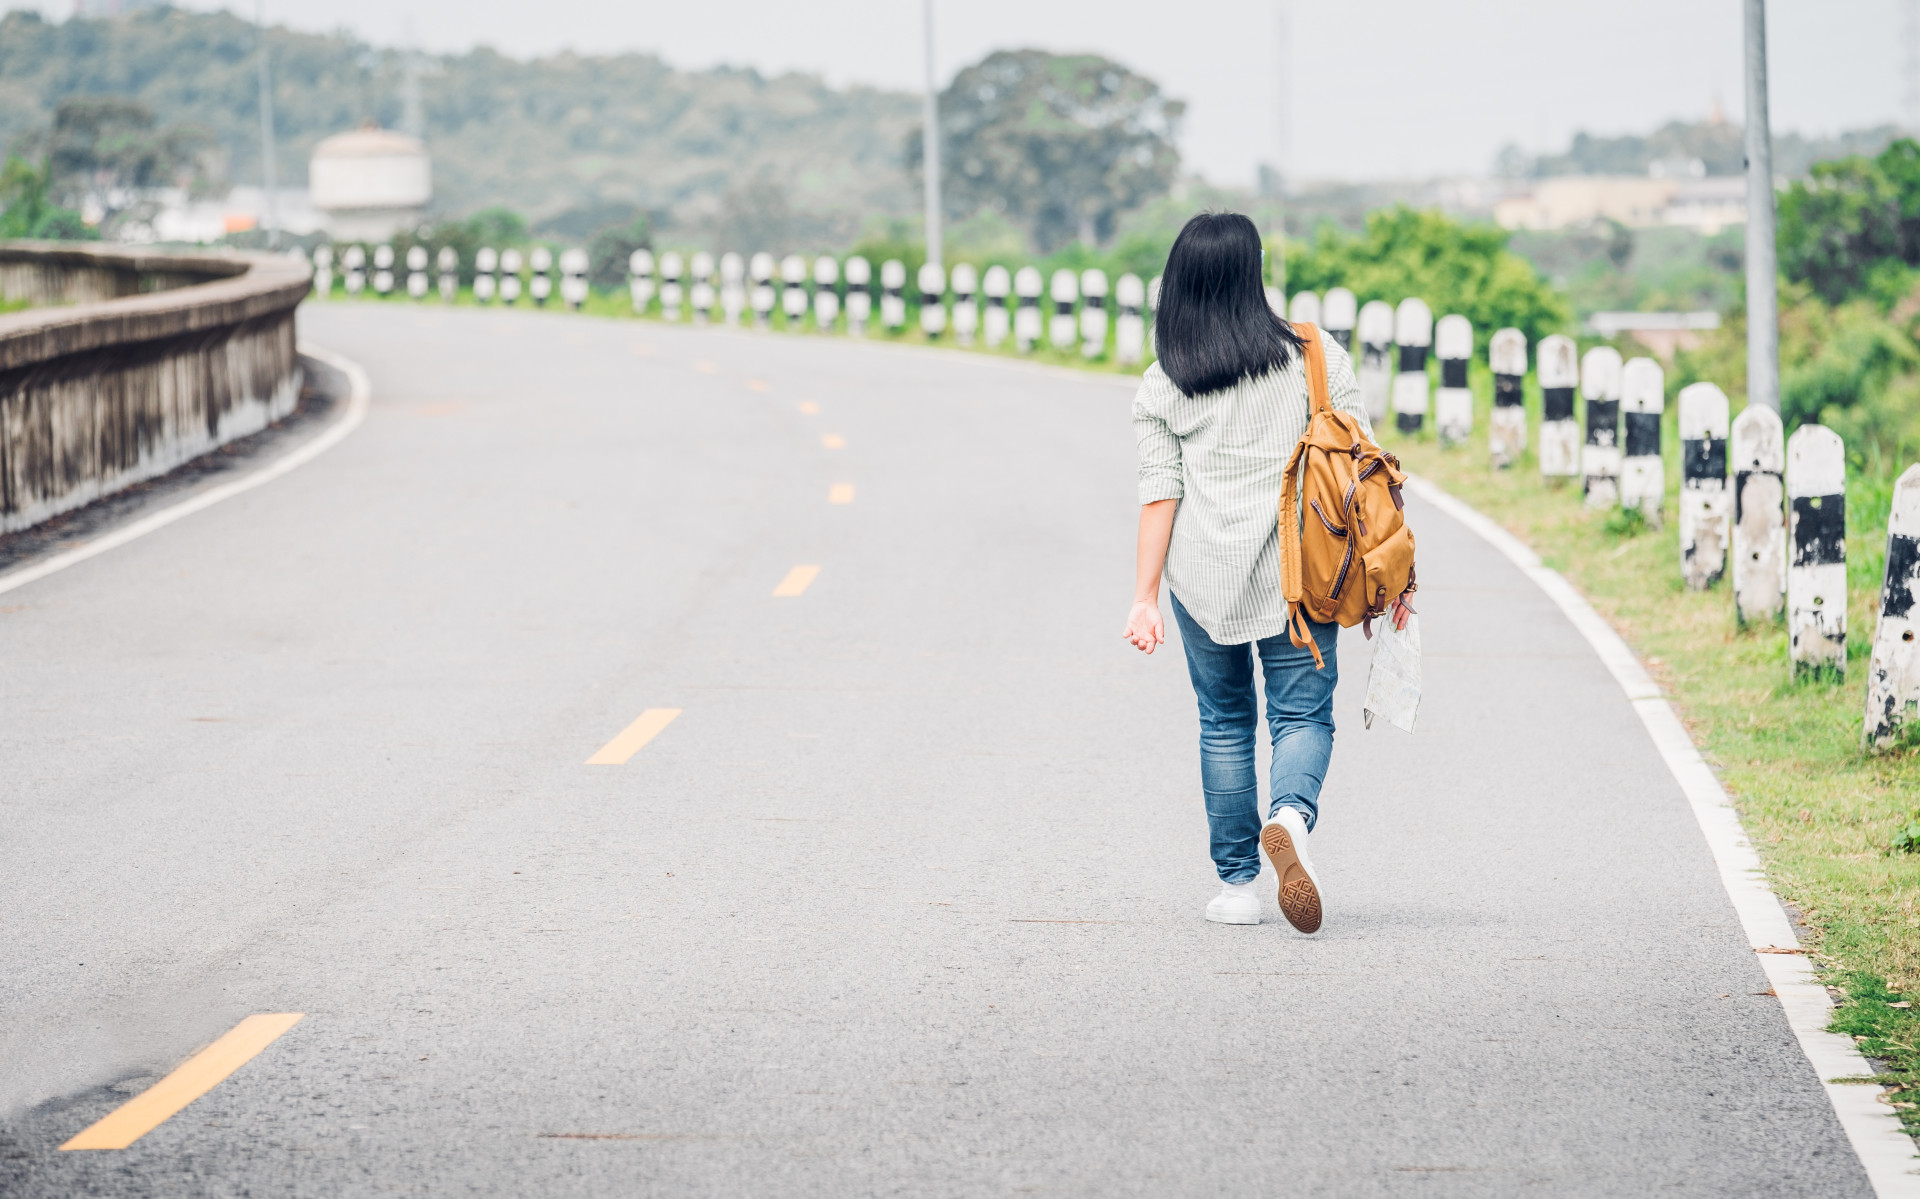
column 1299, row 718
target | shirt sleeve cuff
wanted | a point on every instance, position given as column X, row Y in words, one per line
column 1154, row 490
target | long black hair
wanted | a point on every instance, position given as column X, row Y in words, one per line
column 1213, row 327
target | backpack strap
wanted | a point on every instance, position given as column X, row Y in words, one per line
column 1314, row 353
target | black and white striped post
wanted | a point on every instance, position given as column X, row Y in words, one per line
column 1153, row 308
column 1453, row 403
column 382, row 269
column 1706, row 506
column 510, row 264
column 417, row 286
column 1338, row 313
column 1817, row 562
column 794, row 300
column 1559, row 368
column 540, row 285
column 486, row 260
column 1093, row 313
column 1375, row 330
column 1277, row 301
column 996, row 322
column 733, row 287
column 449, row 264
column 672, row 294
column 1643, row 406
column 1893, row 671
column 1026, row 319
column 966, row 309
column 1129, row 327
column 1305, row 308
column 640, row 280
column 353, row 264
column 573, row 277
column 700, row 291
column 859, row 295
column 1065, row 290
column 760, row 269
column 1759, row 515
column 1413, row 334
column 893, row 300
column 933, row 299
column 1507, row 423
column 826, row 292
column 1600, row 456
column 322, row 270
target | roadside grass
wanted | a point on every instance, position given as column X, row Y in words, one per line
column 1829, row 819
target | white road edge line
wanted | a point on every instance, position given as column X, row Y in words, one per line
column 359, row 400
column 1884, row 1149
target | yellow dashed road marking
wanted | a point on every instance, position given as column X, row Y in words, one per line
column 808, row 408
column 840, row 493
column 756, row 384
column 633, row 737
column 797, row 581
column 643, row 349
column 193, row 1078
column 706, row 368
column 834, row 441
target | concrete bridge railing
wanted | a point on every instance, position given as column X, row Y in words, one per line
column 132, row 363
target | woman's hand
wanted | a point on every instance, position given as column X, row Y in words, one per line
column 1144, row 627
column 1399, row 612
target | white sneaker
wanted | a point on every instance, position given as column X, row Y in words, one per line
column 1236, row 904
column 1285, row 840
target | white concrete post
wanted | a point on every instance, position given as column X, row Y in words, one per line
column 1153, row 309
column 794, row 301
column 1893, row 672
column 1600, row 456
column 701, row 292
column 383, row 269
column 672, row 294
column 1064, row 290
column 417, row 272
column 859, row 295
column 966, row 309
column 1026, row 319
column 933, row 303
column 540, row 286
column 733, row 287
column 449, row 264
column 1093, row 314
column 1413, row 333
column 1129, row 328
column 1559, row 367
column 1759, row 515
column 761, row 267
column 640, row 280
column 1276, row 301
column 509, row 276
column 485, row 262
column 1305, row 306
column 1507, row 423
column 322, row 270
column 1706, row 506
column 1817, row 566
column 354, row 261
column 573, row 276
column 996, row 322
column 1375, row 330
column 826, row 292
column 1453, row 403
column 893, row 300
column 1337, row 314
column 1643, row 406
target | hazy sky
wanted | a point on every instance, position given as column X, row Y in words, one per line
column 1382, row 88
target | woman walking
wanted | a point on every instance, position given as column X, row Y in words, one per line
column 1217, row 418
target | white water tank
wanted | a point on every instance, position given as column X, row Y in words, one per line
column 370, row 183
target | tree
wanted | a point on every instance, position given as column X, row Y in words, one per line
column 1854, row 228
column 1062, row 144
column 27, row 211
column 1454, row 267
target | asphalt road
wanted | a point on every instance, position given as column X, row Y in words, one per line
column 907, row 901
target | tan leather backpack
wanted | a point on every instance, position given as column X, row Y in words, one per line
column 1345, row 550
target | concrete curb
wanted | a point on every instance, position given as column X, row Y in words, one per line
column 1886, row 1152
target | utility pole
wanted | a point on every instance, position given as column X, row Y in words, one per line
column 932, row 143
column 1910, row 67
column 267, row 172
column 1763, row 300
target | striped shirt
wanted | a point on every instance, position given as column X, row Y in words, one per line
column 1223, row 455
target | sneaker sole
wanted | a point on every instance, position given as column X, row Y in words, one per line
column 1233, row 919
column 1299, row 898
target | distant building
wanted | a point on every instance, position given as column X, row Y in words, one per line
column 1666, row 196
column 1661, row 332
column 110, row 8
column 370, row 183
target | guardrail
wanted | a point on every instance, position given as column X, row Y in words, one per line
column 145, row 361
